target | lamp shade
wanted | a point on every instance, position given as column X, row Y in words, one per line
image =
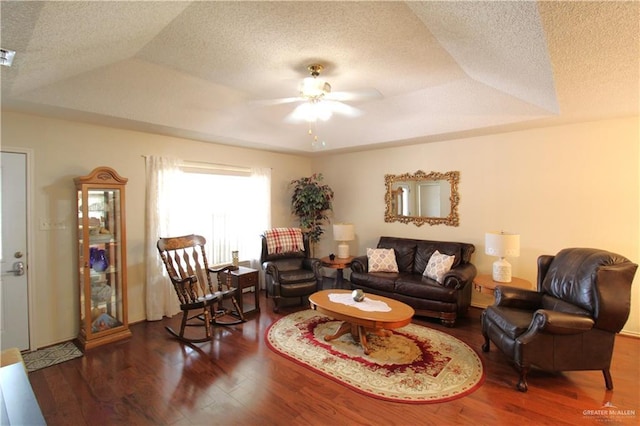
column 343, row 232
column 502, row 244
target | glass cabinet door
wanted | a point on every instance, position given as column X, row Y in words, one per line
column 102, row 266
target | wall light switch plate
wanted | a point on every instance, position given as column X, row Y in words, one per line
column 58, row 225
column 50, row 224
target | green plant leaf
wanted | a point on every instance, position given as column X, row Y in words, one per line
column 309, row 202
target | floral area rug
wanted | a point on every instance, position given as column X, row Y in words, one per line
column 51, row 356
column 414, row 364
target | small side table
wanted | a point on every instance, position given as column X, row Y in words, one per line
column 485, row 284
column 338, row 264
column 242, row 278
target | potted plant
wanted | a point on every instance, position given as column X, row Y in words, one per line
column 310, row 202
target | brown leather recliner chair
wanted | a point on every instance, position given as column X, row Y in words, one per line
column 570, row 323
column 290, row 275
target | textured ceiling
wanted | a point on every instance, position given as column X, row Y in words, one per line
column 202, row 69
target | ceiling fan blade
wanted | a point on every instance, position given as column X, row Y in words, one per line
column 354, row 95
column 343, row 109
column 320, row 111
column 299, row 114
column 278, row 101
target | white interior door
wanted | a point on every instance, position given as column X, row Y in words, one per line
column 14, row 305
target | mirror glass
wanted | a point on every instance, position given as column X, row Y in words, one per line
column 422, row 198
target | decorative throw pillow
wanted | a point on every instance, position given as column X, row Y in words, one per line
column 382, row 260
column 439, row 264
column 284, row 240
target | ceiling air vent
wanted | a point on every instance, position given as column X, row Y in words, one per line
column 6, row 57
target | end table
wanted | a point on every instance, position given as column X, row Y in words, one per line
column 485, row 284
column 242, row 278
column 338, row 264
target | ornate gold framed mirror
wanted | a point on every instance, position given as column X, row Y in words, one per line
column 421, row 198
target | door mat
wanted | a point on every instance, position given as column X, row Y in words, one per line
column 52, row 355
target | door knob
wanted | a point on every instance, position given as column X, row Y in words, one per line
column 18, row 268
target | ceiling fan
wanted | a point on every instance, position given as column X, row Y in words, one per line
column 319, row 103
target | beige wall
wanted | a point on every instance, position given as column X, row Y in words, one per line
column 64, row 150
column 574, row 185
column 565, row 186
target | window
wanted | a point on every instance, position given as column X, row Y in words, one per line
column 230, row 208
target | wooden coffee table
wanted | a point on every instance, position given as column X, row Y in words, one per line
column 359, row 322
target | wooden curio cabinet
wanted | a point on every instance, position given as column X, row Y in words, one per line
column 102, row 258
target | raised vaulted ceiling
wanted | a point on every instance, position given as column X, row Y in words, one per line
column 196, row 69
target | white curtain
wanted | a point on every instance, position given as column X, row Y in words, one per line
column 231, row 218
column 262, row 180
column 162, row 178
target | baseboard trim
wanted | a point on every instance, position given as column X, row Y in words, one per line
column 628, row 333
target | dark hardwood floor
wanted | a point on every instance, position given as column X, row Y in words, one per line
column 236, row 380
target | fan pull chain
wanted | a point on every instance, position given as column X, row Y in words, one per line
column 313, row 132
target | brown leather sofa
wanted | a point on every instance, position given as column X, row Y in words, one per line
column 570, row 323
column 447, row 301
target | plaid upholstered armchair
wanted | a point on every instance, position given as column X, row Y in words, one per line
column 289, row 271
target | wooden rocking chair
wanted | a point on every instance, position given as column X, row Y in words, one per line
column 201, row 303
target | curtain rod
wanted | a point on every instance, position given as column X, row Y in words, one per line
column 210, row 166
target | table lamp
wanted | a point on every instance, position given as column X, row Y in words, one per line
column 502, row 244
column 343, row 232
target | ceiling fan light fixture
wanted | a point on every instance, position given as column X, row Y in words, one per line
column 313, row 87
